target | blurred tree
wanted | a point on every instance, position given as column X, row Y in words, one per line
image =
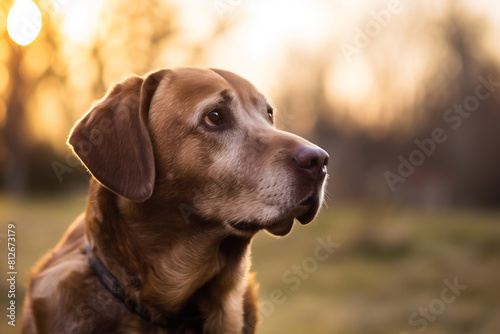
column 16, row 136
column 54, row 80
column 29, row 68
column 447, row 53
column 473, row 151
column 14, row 132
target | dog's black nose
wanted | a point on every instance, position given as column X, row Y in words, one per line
column 312, row 159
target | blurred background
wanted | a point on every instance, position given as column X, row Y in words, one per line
column 404, row 95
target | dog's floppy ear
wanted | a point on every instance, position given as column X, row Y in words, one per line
column 113, row 141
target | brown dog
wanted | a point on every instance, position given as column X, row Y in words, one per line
column 187, row 166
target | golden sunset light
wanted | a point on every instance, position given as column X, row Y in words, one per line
column 263, row 37
column 397, row 101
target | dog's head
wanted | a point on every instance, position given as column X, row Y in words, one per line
column 203, row 139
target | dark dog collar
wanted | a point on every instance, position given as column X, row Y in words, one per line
column 192, row 319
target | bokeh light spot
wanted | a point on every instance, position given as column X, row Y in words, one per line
column 24, row 22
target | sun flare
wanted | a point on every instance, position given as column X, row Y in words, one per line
column 24, row 22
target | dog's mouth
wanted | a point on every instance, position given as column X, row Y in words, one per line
column 280, row 228
column 304, row 212
column 249, row 227
column 311, row 205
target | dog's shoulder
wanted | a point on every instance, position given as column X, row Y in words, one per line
column 59, row 278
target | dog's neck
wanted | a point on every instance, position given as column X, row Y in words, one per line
column 163, row 262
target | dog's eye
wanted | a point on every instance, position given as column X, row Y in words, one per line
column 214, row 118
column 270, row 114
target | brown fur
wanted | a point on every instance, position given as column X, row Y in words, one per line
column 173, row 205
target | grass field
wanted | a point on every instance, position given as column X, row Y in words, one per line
column 386, row 270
